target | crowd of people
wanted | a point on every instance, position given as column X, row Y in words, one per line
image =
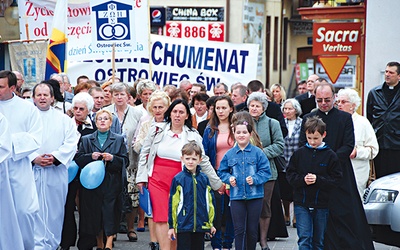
column 210, row 164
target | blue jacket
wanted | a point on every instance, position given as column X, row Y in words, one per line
column 191, row 202
column 210, row 145
column 240, row 164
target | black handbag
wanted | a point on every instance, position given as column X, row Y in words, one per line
column 280, row 162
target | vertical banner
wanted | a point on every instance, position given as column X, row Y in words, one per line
column 56, row 58
column 29, row 59
column 124, row 23
column 253, row 23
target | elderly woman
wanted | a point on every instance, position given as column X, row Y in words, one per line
column 278, row 93
column 158, row 164
column 292, row 110
column 157, row 106
column 272, row 147
column 144, row 90
column 100, row 208
column 129, row 118
column 82, row 103
column 366, row 146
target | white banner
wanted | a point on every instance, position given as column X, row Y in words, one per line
column 37, row 17
column 123, row 23
column 29, row 59
column 173, row 60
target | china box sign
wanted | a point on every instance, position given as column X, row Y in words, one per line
column 336, row 39
column 210, row 31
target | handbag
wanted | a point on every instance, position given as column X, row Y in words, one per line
column 280, row 162
column 372, row 174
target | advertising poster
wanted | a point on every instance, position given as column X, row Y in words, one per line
column 253, row 23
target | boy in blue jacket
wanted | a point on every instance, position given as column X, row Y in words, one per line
column 191, row 202
column 313, row 171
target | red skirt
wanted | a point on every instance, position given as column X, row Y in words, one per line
column 159, row 185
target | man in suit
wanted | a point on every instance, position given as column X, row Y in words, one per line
column 307, row 100
column 347, row 224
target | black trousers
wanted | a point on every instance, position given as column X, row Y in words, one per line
column 386, row 162
column 69, row 231
column 190, row 241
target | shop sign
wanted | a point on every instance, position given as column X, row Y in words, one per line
column 336, row 38
column 208, row 14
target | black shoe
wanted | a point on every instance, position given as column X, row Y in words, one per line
column 154, row 246
column 132, row 238
column 122, row 228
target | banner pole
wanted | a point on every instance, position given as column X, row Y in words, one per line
column 113, row 63
column 149, row 42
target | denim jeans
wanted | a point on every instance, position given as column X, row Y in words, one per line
column 245, row 216
column 311, row 225
column 222, row 238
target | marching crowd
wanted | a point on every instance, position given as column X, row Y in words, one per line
column 225, row 167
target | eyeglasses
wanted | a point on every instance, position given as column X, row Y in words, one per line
column 103, row 119
column 80, row 109
column 326, row 100
column 26, row 97
column 342, row 101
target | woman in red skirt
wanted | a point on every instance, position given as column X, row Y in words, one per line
column 160, row 161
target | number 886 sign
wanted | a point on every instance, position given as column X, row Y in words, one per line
column 210, row 31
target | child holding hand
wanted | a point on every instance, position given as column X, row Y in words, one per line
column 191, row 202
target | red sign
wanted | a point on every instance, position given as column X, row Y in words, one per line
column 336, row 38
column 210, row 31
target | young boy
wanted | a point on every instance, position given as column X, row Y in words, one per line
column 313, row 170
column 191, row 202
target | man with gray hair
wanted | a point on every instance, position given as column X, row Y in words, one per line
column 221, row 89
column 239, row 94
column 20, row 82
column 63, row 80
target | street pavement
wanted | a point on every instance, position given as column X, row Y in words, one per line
column 122, row 242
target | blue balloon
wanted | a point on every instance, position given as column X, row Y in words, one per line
column 72, row 170
column 92, row 175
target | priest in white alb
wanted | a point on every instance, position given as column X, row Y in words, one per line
column 50, row 168
column 25, row 129
column 11, row 237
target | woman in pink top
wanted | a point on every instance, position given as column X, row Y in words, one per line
column 217, row 140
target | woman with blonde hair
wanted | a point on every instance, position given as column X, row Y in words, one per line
column 278, row 93
column 157, row 106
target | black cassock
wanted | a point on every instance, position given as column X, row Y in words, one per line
column 347, row 224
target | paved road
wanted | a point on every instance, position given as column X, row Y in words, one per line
column 280, row 244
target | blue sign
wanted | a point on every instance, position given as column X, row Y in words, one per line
column 112, row 21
